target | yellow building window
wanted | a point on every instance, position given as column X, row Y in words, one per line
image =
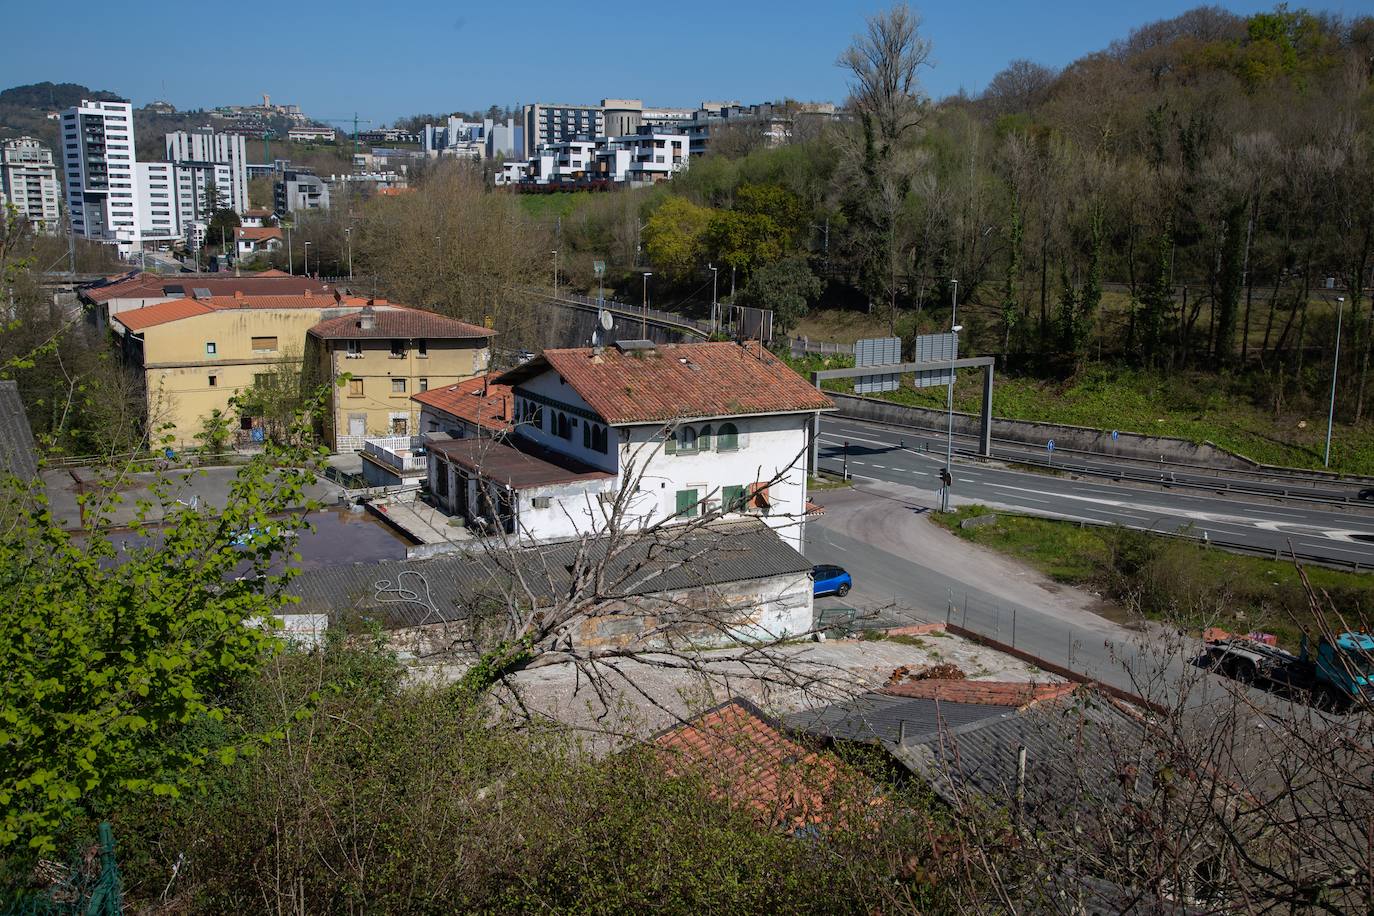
column 398, row 386
column 355, row 388
column 264, row 343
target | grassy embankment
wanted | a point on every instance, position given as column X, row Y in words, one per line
column 1166, row 579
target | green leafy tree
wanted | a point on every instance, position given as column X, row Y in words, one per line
column 674, row 235
column 787, row 287
column 744, row 240
column 119, row 661
column 220, row 230
column 214, row 433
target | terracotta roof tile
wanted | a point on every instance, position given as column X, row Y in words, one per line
column 163, row 312
column 678, row 381
column 177, row 309
column 477, row 400
column 983, row 693
column 257, row 233
column 398, row 322
column 148, row 286
column 752, row 763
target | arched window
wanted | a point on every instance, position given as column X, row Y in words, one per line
column 599, row 439
column 704, row 439
column 727, row 438
column 564, row 428
column 686, row 439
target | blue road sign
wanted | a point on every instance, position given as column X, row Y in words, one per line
column 1050, row 445
column 1115, row 434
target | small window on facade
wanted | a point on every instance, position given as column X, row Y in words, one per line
column 564, row 429
column 424, row 384
column 686, row 439
column 398, row 386
column 398, row 426
column 732, row 499
column 355, row 348
column 422, row 347
column 264, row 343
column 727, row 437
column 355, row 388
column 214, row 380
column 687, row 506
column 209, row 348
column 587, row 435
column 599, row 440
column 398, row 348
column 261, row 378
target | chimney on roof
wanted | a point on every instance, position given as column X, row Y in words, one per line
column 238, row 294
column 337, row 297
column 367, row 318
column 307, row 294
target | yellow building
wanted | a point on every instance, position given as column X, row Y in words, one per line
column 390, row 353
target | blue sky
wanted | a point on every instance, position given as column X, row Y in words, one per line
column 389, row 60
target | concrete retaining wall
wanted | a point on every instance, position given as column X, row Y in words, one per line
column 1079, row 438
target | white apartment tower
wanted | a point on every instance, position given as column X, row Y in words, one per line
column 98, row 171
column 28, row 181
column 202, row 156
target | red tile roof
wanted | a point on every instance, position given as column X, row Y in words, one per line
column 257, row 233
column 749, row 761
column 151, row 286
column 986, row 693
column 177, row 309
column 397, row 322
column 163, row 312
column 677, row 381
column 476, row 400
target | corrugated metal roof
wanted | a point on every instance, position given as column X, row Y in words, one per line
column 875, row 717
column 18, row 455
column 515, row 462
column 1082, row 753
column 670, row 559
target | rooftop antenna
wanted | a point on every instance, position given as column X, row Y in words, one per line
column 605, row 323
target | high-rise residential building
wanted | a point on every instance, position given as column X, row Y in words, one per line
column 299, row 189
column 206, row 156
column 155, row 189
column 546, row 124
column 28, row 181
column 98, row 171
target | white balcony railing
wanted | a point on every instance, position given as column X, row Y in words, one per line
column 403, row 453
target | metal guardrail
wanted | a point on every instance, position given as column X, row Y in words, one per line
column 1152, row 477
column 632, row 312
column 803, row 346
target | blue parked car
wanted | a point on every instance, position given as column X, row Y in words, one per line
column 831, row 580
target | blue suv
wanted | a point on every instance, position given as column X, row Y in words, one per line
column 831, row 580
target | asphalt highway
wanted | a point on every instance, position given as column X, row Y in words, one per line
column 1330, row 534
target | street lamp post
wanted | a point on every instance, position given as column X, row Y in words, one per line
column 555, row 272
column 715, row 315
column 307, row 258
column 949, row 404
column 348, row 240
column 1335, row 368
column 644, row 304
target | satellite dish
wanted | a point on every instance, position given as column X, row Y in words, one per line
column 606, row 319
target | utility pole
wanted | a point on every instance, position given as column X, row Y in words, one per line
column 307, row 257
column 1335, row 368
column 555, row 272
column 715, row 313
column 348, row 240
column 644, row 304
column 947, row 478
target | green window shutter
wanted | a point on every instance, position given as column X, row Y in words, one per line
column 704, row 439
column 687, row 503
column 727, row 439
column 731, row 499
column 670, row 444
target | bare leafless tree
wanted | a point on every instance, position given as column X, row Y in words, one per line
column 885, row 65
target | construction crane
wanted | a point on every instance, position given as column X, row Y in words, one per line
column 354, row 120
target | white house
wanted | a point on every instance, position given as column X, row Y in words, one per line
column 655, row 157
column 669, row 431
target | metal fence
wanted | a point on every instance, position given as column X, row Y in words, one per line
column 802, row 346
column 631, row 310
column 87, row 885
